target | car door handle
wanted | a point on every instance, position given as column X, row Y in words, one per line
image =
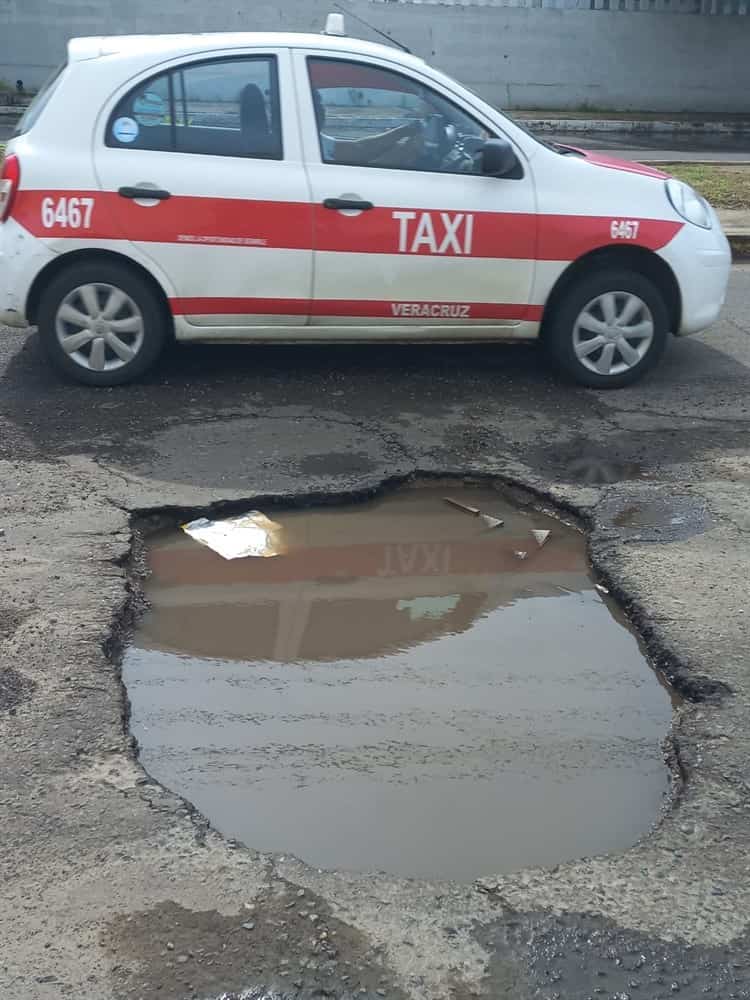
column 351, row 203
column 152, row 194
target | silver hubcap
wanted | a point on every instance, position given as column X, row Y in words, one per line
column 99, row 327
column 613, row 333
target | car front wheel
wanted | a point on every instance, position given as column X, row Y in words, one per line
column 101, row 323
column 608, row 329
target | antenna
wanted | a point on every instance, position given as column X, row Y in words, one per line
column 399, row 45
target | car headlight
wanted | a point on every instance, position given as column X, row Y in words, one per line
column 688, row 203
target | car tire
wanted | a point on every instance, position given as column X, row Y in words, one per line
column 608, row 329
column 102, row 323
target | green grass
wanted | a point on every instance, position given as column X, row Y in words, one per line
column 724, row 185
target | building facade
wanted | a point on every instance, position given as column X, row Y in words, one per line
column 627, row 55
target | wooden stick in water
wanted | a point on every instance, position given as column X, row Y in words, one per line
column 487, row 519
column 462, row 506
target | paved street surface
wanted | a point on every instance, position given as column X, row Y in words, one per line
column 114, row 888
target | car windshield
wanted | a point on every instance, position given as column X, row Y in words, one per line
column 39, row 103
column 556, row 147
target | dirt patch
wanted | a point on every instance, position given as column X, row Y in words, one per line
column 15, row 688
column 10, row 620
column 283, row 944
column 577, row 956
column 650, row 516
column 596, row 470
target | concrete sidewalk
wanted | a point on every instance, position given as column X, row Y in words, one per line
column 735, row 222
column 736, row 225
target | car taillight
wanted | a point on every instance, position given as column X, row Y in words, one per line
column 10, row 179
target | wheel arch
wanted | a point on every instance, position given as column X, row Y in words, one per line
column 638, row 259
column 86, row 256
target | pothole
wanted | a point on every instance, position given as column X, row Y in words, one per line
column 405, row 690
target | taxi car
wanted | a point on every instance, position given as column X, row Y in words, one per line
column 287, row 187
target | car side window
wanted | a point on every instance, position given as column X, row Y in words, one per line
column 220, row 107
column 373, row 117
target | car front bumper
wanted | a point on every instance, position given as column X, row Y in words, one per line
column 701, row 260
column 12, row 317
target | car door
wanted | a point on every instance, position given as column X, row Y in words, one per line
column 202, row 169
column 408, row 232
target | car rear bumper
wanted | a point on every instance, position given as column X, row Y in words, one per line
column 11, row 310
column 22, row 257
column 701, row 261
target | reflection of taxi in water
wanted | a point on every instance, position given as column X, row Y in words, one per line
column 378, row 578
column 251, row 187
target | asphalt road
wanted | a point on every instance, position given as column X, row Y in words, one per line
column 114, row 888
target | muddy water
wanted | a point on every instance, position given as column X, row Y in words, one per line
column 401, row 691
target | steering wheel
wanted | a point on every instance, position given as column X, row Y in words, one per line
column 438, row 139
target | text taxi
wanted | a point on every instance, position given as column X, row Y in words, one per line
column 264, row 187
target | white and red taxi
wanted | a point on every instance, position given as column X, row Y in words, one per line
column 271, row 187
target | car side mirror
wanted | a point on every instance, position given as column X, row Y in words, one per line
column 498, row 158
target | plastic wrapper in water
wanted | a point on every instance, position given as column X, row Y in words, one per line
column 251, row 534
column 256, row 993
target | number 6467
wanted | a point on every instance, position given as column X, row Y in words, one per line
column 71, row 213
column 624, row 229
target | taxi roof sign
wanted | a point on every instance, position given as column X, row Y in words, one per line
column 335, row 25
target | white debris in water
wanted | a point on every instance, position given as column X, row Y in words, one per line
column 251, row 534
column 520, row 554
column 253, row 993
column 601, row 588
column 540, row 537
column 491, row 522
column 436, row 608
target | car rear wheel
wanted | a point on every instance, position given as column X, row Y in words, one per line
column 609, row 329
column 101, row 324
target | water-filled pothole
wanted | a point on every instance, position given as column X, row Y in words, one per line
column 401, row 691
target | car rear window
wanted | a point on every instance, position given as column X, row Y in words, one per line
column 40, row 102
column 221, row 107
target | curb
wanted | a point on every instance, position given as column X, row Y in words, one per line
column 740, row 244
column 659, row 162
column 637, row 126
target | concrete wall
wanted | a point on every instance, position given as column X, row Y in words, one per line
column 524, row 57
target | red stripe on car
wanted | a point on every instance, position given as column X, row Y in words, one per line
column 359, row 308
column 245, row 223
column 389, row 309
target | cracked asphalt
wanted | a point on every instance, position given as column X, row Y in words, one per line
column 113, row 888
